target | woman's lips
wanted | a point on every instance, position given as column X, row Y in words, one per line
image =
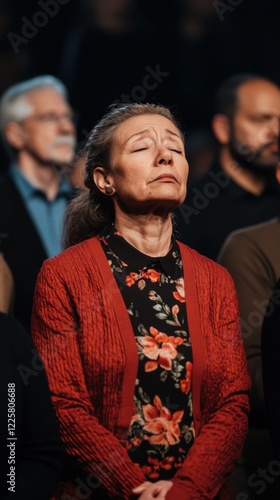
column 166, row 177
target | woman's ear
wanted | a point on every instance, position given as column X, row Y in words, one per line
column 103, row 180
column 221, row 128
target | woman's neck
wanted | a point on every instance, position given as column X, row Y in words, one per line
column 151, row 235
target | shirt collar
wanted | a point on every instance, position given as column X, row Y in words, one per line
column 28, row 190
column 136, row 259
column 24, row 186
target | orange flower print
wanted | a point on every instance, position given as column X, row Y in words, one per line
column 148, row 471
column 160, row 348
column 165, row 464
column 185, row 385
column 180, row 293
column 131, row 279
column 136, row 441
column 175, row 310
column 152, row 471
column 152, row 274
column 161, row 426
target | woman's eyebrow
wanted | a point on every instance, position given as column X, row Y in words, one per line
column 145, row 131
column 139, row 133
column 172, row 133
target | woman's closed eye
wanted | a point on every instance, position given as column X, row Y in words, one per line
column 177, row 151
column 171, row 149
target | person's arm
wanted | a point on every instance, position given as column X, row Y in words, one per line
column 224, row 400
column 254, row 279
column 6, row 286
column 36, row 452
column 270, row 344
column 55, row 332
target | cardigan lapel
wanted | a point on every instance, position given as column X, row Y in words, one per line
column 196, row 334
column 126, row 332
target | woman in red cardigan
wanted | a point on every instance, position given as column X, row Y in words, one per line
column 139, row 333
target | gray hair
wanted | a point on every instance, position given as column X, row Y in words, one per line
column 14, row 105
column 89, row 212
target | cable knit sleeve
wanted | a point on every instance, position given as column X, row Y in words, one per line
column 225, row 390
column 56, row 332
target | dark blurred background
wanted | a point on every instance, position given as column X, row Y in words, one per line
column 128, row 50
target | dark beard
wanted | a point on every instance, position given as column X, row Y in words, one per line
column 251, row 159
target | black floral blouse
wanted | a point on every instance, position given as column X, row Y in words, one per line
column 161, row 430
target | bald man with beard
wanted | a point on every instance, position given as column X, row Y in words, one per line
column 240, row 189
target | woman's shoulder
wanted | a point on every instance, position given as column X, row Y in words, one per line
column 77, row 256
column 198, row 257
column 201, row 262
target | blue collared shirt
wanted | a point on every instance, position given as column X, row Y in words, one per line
column 46, row 215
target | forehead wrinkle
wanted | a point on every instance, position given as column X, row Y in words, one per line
column 149, row 131
column 173, row 133
column 142, row 132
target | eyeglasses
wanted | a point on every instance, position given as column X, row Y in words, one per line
column 51, row 118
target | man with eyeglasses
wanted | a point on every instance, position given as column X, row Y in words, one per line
column 39, row 133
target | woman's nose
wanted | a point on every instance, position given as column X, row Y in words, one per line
column 165, row 157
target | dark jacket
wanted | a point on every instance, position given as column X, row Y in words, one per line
column 22, row 247
column 270, row 343
column 215, row 206
column 29, row 433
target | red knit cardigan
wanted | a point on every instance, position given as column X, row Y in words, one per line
column 83, row 333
